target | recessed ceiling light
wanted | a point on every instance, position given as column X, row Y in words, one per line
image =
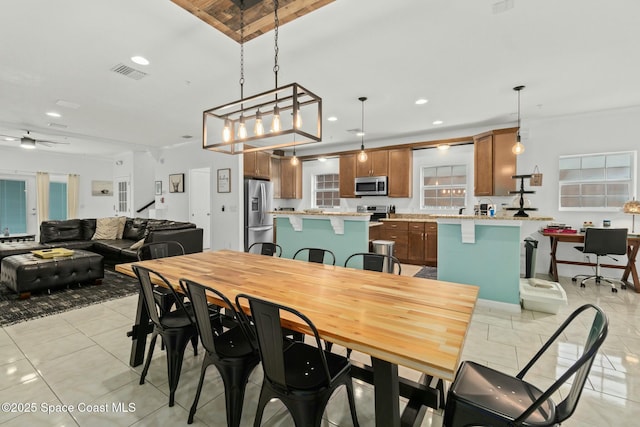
column 421, row 101
column 322, row 159
column 8, row 138
column 437, row 122
column 53, row 114
column 360, row 133
column 443, row 147
column 140, row 60
column 332, row 118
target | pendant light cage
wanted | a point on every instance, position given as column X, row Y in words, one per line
column 287, row 111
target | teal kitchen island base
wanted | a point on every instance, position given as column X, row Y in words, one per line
column 482, row 252
column 341, row 233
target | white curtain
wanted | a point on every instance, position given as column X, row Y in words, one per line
column 42, row 193
column 73, row 195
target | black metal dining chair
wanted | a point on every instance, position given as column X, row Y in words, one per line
column 302, row 376
column 482, row 396
column 265, row 248
column 603, row 242
column 316, row 255
column 163, row 296
column 232, row 352
column 374, row 262
column 175, row 327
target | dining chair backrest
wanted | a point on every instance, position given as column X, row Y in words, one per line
column 374, row 262
column 316, row 255
column 198, row 296
column 265, row 248
column 146, row 284
column 605, row 241
column 157, row 250
column 266, row 316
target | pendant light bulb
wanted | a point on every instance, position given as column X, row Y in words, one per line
column 362, row 156
column 258, row 129
column 242, row 129
column 294, row 159
column 298, row 117
column 518, row 147
column 227, row 131
column 275, row 123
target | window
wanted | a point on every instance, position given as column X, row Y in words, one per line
column 326, row 190
column 596, row 181
column 57, row 200
column 13, row 206
column 444, row 187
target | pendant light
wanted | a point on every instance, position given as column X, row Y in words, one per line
column 295, row 160
column 362, row 155
column 256, row 122
column 518, row 147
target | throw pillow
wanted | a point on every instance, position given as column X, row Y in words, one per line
column 106, row 228
column 123, row 221
column 137, row 245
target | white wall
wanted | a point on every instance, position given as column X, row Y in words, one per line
column 24, row 163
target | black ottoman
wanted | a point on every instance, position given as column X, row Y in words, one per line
column 15, row 248
column 25, row 273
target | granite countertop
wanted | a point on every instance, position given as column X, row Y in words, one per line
column 435, row 217
column 319, row 213
column 374, row 224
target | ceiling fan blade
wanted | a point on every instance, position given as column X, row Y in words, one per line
column 45, row 142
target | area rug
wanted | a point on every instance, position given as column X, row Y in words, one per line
column 427, row 273
column 41, row 304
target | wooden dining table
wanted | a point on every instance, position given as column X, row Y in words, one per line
column 397, row 320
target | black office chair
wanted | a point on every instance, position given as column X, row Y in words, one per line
column 482, row 396
column 232, row 351
column 302, row 376
column 265, row 248
column 163, row 296
column 374, row 262
column 316, row 255
column 176, row 328
column 603, row 242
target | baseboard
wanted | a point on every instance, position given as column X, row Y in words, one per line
column 496, row 305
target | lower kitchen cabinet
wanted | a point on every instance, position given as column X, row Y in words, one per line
column 415, row 242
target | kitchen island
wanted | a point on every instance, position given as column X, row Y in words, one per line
column 484, row 251
column 343, row 233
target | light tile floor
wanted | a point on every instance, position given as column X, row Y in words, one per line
column 80, row 358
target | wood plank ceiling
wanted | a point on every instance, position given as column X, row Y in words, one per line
column 224, row 15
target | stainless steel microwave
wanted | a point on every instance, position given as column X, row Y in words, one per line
column 371, row 186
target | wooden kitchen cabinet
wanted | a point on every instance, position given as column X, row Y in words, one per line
column 290, row 179
column 415, row 250
column 494, row 162
column 400, row 172
column 275, row 178
column 257, row 164
column 347, row 175
column 431, row 244
column 398, row 232
column 377, row 164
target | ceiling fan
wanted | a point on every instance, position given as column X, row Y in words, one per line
column 26, row 141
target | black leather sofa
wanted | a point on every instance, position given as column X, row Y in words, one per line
column 78, row 233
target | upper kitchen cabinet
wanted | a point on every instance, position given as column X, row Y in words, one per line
column 494, row 162
column 347, row 175
column 275, row 177
column 377, row 164
column 400, row 172
column 257, row 164
column 290, row 179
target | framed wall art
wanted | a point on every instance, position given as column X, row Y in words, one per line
column 158, row 188
column 224, row 180
column 101, row 188
column 176, row 183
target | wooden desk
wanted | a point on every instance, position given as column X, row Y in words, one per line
column 633, row 243
column 398, row 320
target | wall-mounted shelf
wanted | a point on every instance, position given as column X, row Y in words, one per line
column 521, row 210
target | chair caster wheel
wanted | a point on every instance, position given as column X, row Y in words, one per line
column 573, row 279
column 614, row 290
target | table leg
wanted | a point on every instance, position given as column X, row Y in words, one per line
column 387, row 393
column 553, row 265
column 632, row 253
column 138, row 333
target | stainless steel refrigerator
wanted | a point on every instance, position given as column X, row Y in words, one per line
column 258, row 200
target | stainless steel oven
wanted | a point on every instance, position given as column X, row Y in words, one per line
column 378, row 212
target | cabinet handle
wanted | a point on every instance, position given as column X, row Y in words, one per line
column 422, row 236
column 394, row 237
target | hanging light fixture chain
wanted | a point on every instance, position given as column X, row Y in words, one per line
column 242, row 49
column 276, row 67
